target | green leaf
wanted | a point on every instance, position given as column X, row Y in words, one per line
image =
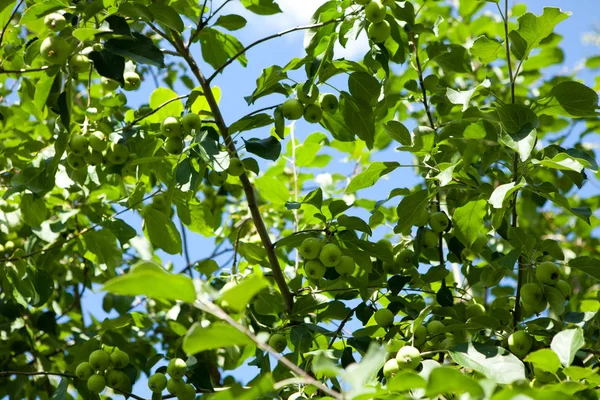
column 360, row 375
column 231, row 22
column 370, row 176
column 493, row 362
column 138, row 48
column 61, row 390
column 269, row 148
column 364, row 86
column 455, row 59
column 464, row 98
column 43, row 87
column 250, row 122
column 487, row 50
column 268, row 82
column 148, row 278
column 566, row 343
column 398, row 132
column 160, row 96
column 309, row 303
column 544, row 359
column 136, row 11
column 167, row 16
column 359, row 115
column 449, row 380
column 108, row 65
column 504, row 191
column 273, row 190
column 589, row 265
column 404, row 381
column 556, row 300
column 216, row 336
column 469, row 221
column 569, row 99
column 161, row 231
column 100, row 247
column 262, row 7
column 412, row 210
column 354, row 223
column 517, row 120
column 534, row 29
column 33, row 209
column 218, row 47
column 237, row 297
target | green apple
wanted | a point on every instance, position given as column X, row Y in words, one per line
column 547, row 273
column 191, row 122
column 384, row 317
column 533, row 298
column 96, row 383
column 435, row 329
column 329, row 102
column 292, row 109
column 117, row 153
column 217, row 178
column 84, row 370
column 236, row 167
column 157, row 382
column 174, row 145
column 78, row 144
column 109, row 84
column 97, row 141
column 564, row 287
column 99, row 360
column 419, row 334
column 520, row 343
column 408, row 357
column 404, row 259
column 430, row 238
column 439, row 221
column 176, row 368
column 160, row 202
column 79, row 63
column 346, row 266
column 93, row 158
column 278, row 342
column 310, row 248
column 391, row 268
column 475, row 310
column 116, row 378
column 175, row 386
column 390, row 368
column 55, row 50
column 313, row 113
column 314, row 269
column 188, row 393
column 305, row 98
column 132, row 80
column 330, row 255
column 375, row 11
column 119, row 359
column 379, row 32
column 76, row 162
column 55, row 22
column 171, row 127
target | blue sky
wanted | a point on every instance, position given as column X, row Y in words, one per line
column 238, row 82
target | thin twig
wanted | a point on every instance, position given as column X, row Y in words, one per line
column 166, row 103
column 186, row 250
column 341, row 326
column 24, row 71
column 215, row 253
column 9, row 21
column 212, row 14
column 201, row 24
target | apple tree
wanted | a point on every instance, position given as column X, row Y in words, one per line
column 478, row 279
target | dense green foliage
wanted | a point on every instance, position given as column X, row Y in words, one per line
column 480, row 280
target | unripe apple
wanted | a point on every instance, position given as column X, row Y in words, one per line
column 157, row 382
column 435, row 329
column 174, row 145
column 79, row 63
column 313, row 113
column 390, row 368
column 520, row 343
column 132, row 80
column 93, row 158
column 346, row 266
column 55, row 22
column 392, row 268
column 330, row 255
column 404, row 259
column 310, row 248
column 176, row 368
column 236, row 167
column 96, row 383
column 439, row 221
column 278, row 342
column 329, row 103
column 475, row 310
column 109, row 84
column 175, row 386
column 55, row 50
column 191, row 122
column 547, row 273
column 171, row 127
column 116, row 378
column 99, row 360
column 78, row 144
column 375, row 11
column 314, row 269
column 430, row 238
column 292, row 109
column 384, row 317
column 379, row 32
column 564, row 287
column 117, row 153
column 76, row 162
column 84, row 370
column 97, row 141
column 533, row 298
column 309, row 98
column 188, row 393
column 160, row 202
column 119, row 359
column 217, row 178
column 419, row 334
column 408, row 357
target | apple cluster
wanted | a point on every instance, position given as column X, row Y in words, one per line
column 533, row 296
column 175, row 385
column 309, row 104
column 318, row 256
column 407, row 358
column 94, row 149
column 375, row 13
column 105, row 369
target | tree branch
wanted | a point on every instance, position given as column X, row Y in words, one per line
column 341, row 326
column 9, row 21
column 24, row 71
column 166, row 103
